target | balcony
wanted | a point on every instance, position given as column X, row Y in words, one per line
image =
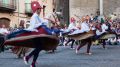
column 28, row 9
column 7, row 6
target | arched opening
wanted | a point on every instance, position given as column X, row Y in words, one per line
column 5, row 21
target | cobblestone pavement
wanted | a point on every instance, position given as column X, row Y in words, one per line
column 66, row 57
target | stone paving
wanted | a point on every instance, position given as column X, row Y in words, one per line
column 66, row 57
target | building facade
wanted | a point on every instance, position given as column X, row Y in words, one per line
column 13, row 11
column 83, row 7
column 87, row 7
column 111, row 6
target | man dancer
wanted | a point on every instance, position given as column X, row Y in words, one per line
column 84, row 28
column 34, row 23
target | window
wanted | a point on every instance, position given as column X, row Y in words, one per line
column 6, row 1
column 27, row 1
column 28, row 5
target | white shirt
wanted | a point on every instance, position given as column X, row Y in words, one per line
column 113, row 17
column 4, row 31
column 85, row 27
column 104, row 27
column 35, row 22
column 98, row 32
column 72, row 26
column 45, row 22
column 91, row 17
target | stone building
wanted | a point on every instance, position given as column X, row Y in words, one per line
column 13, row 11
column 111, row 6
column 87, row 7
column 83, row 7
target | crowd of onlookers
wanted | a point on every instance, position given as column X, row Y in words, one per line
column 111, row 21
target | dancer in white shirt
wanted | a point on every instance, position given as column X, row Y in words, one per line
column 4, row 30
column 84, row 27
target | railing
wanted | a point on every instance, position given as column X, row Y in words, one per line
column 11, row 6
column 28, row 8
